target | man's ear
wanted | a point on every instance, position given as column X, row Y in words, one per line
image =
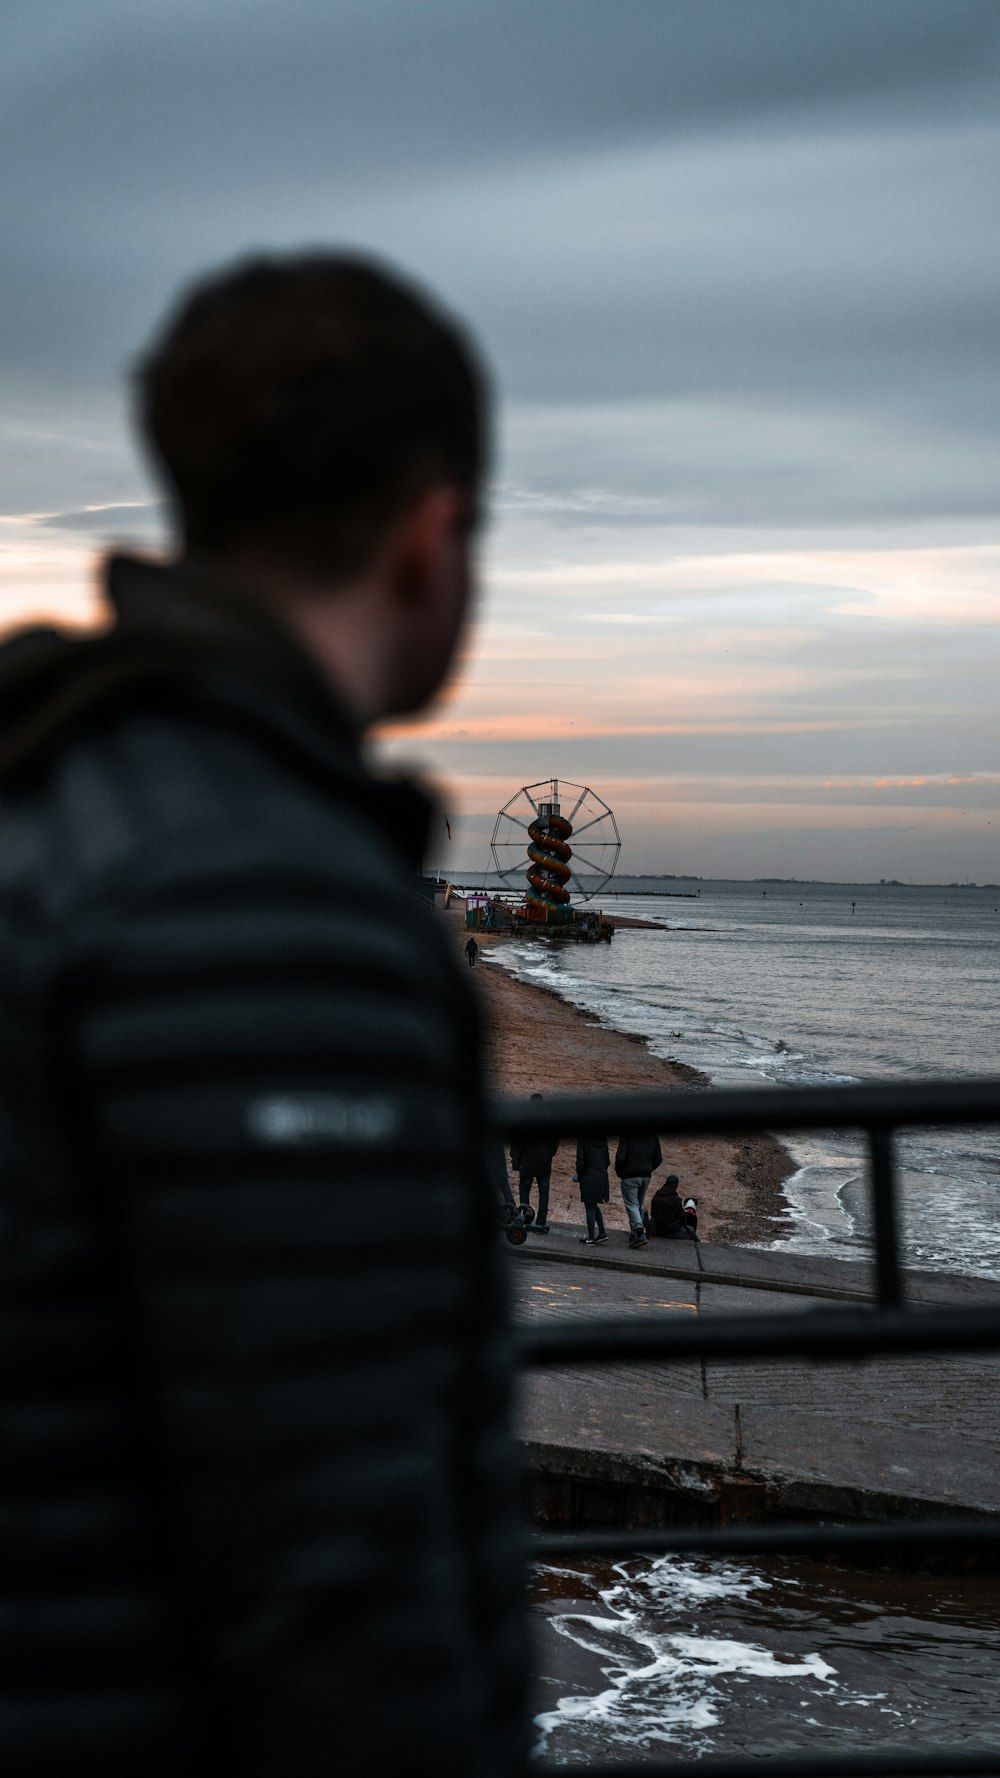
column 426, row 544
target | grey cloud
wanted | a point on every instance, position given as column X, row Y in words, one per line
column 866, row 736
column 693, row 463
column 933, row 795
column 783, row 214
column 145, row 521
column 845, row 855
column 358, row 85
column 145, row 143
column 857, row 267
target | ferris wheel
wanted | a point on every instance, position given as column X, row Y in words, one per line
column 560, row 837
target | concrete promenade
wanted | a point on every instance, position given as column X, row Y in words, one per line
column 683, row 1442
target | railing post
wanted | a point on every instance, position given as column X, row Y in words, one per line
column 889, row 1271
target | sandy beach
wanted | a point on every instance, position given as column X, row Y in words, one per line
column 538, row 1042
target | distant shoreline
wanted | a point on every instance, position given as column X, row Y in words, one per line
column 664, row 894
column 488, row 880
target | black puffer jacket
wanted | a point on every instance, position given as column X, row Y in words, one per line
column 636, row 1157
column 256, row 1501
column 534, row 1155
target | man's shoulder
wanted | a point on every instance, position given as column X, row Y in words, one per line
column 176, row 794
column 177, row 869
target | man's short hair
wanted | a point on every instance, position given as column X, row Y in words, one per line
column 297, row 404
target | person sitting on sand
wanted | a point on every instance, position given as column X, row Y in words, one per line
column 592, row 1163
column 531, row 1159
column 668, row 1212
column 636, row 1159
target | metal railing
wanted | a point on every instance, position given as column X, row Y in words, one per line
column 886, row 1325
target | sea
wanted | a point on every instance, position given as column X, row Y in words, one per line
column 818, row 984
column 791, row 983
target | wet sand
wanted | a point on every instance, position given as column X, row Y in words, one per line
column 538, row 1042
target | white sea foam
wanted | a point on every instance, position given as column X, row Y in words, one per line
column 664, row 1683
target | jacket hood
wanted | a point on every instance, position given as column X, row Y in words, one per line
column 170, row 623
column 184, row 629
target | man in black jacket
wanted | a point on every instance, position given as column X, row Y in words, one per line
column 636, row 1159
column 531, row 1159
column 256, row 1498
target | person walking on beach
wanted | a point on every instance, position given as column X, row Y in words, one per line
column 667, row 1212
column 636, row 1159
column 472, row 952
column 592, row 1164
column 531, row 1158
column 258, row 1498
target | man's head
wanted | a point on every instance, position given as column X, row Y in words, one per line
column 672, row 1179
column 322, row 429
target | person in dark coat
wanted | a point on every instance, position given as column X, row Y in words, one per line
column 499, row 1174
column 667, row 1212
column 592, row 1163
column 258, row 1503
column 472, row 952
column 531, row 1158
column 636, row 1159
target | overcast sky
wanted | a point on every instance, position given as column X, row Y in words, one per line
column 735, row 264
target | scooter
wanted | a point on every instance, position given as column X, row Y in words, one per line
column 515, row 1221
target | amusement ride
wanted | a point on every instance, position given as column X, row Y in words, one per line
column 532, row 853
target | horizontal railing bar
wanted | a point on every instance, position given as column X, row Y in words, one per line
column 782, row 1539
column 824, row 1335
column 894, row 1763
column 872, row 1106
